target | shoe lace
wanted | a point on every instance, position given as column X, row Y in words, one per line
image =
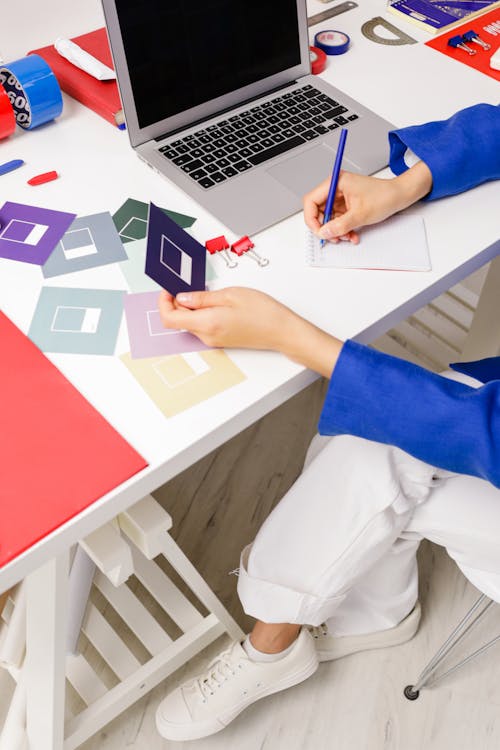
column 318, row 631
column 218, row 671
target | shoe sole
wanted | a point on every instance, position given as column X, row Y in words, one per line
column 178, row 733
column 346, row 645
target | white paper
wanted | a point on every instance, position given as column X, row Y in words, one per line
column 398, row 243
column 83, row 60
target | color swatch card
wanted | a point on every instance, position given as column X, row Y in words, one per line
column 135, row 275
column 90, row 241
column 58, row 453
column 77, row 321
column 147, row 336
column 131, row 220
column 29, row 234
column 133, row 268
column 174, row 259
column 176, row 383
column 399, row 243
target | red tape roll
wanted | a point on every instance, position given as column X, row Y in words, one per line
column 7, row 116
column 318, row 60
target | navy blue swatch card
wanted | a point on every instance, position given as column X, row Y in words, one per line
column 174, row 259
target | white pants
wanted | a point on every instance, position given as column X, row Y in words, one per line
column 341, row 545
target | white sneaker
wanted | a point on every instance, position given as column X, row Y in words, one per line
column 231, row 683
column 329, row 647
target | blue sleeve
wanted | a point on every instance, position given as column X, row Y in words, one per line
column 461, row 152
column 442, row 422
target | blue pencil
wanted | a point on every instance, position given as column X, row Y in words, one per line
column 335, row 178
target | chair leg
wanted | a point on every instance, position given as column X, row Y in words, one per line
column 411, row 692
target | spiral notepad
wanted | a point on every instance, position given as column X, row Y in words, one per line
column 399, row 243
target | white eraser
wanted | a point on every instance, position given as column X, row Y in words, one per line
column 83, row 60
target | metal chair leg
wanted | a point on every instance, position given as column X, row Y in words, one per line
column 411, row 692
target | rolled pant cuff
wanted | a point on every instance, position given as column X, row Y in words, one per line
column 272, row 602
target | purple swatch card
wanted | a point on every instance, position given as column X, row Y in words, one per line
column 174, row 259
column 147, row 336
column 30, row 234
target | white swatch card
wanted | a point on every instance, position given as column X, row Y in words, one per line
column 399, row 243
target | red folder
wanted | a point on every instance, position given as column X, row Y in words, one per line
column 57, row 453
column 481, row 60
column 100, row 96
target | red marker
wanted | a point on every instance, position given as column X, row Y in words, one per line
column 39, row 179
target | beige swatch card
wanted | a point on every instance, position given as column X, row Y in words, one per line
column 177, row 382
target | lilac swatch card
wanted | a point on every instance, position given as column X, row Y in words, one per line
column 174, row 259
column 30, row 234
column 147, row 336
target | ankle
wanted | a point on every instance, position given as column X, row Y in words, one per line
column 271, row 638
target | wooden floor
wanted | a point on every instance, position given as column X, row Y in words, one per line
column 356, row 703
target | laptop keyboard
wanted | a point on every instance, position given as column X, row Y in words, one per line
column 224, row 150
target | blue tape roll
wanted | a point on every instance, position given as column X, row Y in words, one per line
column 332, row 42
column 33, row 91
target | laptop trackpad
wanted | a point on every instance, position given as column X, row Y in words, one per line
column 303, row 172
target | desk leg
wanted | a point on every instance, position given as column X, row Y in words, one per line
column 47, row 591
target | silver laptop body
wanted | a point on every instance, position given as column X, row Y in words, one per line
column 198, row 78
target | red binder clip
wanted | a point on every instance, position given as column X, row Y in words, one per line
column 245, row 246
column 221, row 245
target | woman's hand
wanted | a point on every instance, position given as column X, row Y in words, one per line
column 361, row 200
column 246, row 318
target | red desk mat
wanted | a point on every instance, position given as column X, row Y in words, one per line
column 481, row 60
column 57, row 453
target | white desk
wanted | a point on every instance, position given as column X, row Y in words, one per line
column 406, row 85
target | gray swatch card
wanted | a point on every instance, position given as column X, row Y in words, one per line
column 89, row 242
column 78, row 321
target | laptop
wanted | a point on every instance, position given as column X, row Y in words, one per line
column 218, row 97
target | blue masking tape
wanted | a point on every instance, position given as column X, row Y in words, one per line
column 33, row 91
column 332, row 42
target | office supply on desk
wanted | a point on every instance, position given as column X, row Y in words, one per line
column 77, row 321
column 131, row 220
column 479, row 61
column 41, row 179
column 100, row 96
column 174, row 259
column 178, row 382
column 222, row 127
column 46, row 419
column 83, row 60
column 495, row 60
column 318, row 60
column 221, row 246
column 332, row 42
column 436, row 16
column 7, row 116
column 335, row 11
column 458, row 42
column 327, row 215
column 9, row 166
column 147, row 335
column 29, row 234
column 33, row 91
column 245, row 246
column 396, row 38
column 473, row 36
column 89, row 242
column 398, row 244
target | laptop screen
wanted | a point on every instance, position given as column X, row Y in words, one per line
column 183, row 53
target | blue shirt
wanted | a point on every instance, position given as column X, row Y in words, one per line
column 379, row 397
